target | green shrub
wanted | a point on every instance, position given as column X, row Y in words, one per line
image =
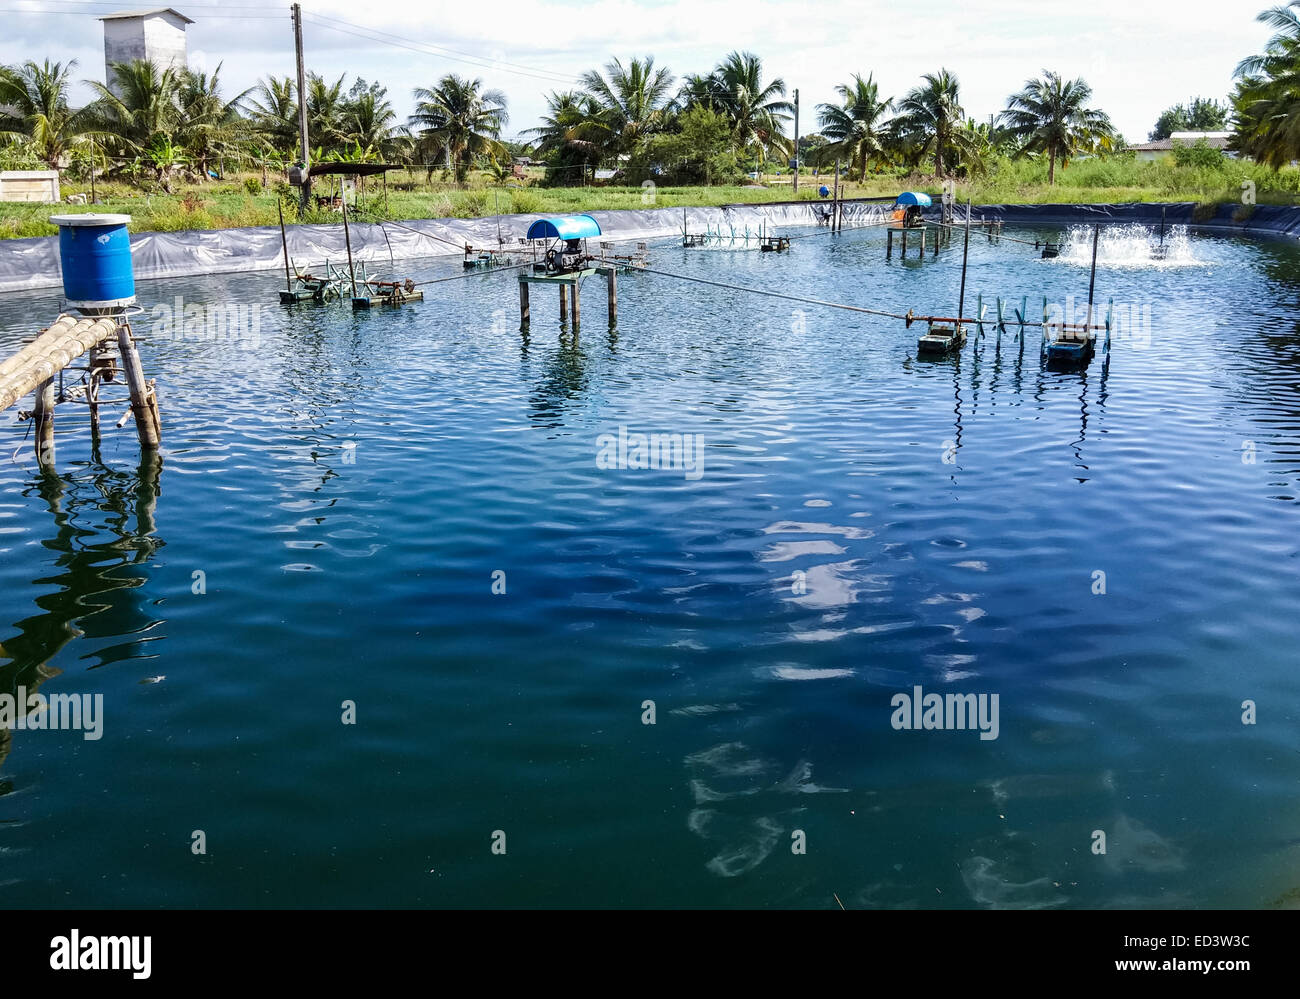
column 470, row 204
column 526, row 202
column 252, row 185
column 1199, row 154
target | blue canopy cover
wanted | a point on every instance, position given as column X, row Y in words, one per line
column 564, row 227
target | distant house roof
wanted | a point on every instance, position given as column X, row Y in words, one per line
column 1215, row 140
column 146, row 13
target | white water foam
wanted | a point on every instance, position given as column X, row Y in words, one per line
column 1129, row 246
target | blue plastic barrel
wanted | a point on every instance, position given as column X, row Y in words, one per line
column 95, row 252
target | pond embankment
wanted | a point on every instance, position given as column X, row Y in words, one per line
column 34, row 263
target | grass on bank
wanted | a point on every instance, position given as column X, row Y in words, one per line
column 239, row 201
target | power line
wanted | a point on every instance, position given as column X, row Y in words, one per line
column 190, row 6
column 475, row 60
column 384, row 38
column 62, row 13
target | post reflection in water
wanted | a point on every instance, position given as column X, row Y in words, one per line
column 563, row 379
column 104, row 537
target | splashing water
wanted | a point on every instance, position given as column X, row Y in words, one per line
column 1129, row 246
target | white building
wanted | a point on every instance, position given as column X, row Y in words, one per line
column 1148, row 151
column 157, row 35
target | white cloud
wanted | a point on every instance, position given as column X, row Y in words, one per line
column 1139, row 57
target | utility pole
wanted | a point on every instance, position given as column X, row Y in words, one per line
column 304, row 150
column 796, row 140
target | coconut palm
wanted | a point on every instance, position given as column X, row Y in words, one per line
column 273, row 110
column 855, row 129
column 1285, row 43
column 1051, row 116
column 326, row 110
column 1267, row 99
column 34, row 107
column 148, row 110
column 460, row 119
column 370, row 125
column 632, row 100
column 757, row 112
column 697, row 90
column 211, row 126
column 573, row 131
column 930, row 120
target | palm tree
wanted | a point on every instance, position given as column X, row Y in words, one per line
column 930, row 120
column 210, row 125
column 370, row 125
column 697, row 91
column 34, row 107
column 757, row 112
column 1267, row 99
column 1051, row 116
column 855, row 128
column 1284, row 43
column 326, row 107
column 148, row 112
column 573, row 130
column 274, row 113
column 977, row 148
column 632, row 101
column 460, row 119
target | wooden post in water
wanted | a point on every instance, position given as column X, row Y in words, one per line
column 284, row 244
column 347, row 239
column 835, row 200
column 43, row 416
column 574, row 286
column 144, row 402
column 1092, row 278
column 524, row 318
column 612, row 288
column 564, row 304
column 965, row 252
column 92, row 392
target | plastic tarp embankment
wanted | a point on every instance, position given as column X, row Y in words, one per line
column 34, row 263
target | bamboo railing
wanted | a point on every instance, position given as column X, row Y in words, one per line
column 36, row 367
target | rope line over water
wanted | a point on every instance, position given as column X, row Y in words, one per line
column 476, row 273
column 962, row 225
column 777, row 294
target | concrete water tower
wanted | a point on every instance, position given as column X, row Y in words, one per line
column 157, row 35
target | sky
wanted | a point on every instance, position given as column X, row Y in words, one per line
column 1140, row 56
